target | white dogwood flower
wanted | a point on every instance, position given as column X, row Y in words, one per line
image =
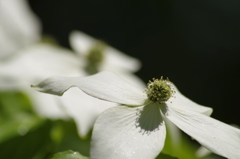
column 136, row 130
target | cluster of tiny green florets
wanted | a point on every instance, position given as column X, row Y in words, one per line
column 95, row 57
column 96, row 53
column 159, row 90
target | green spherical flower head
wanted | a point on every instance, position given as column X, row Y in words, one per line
column 159, row 90
column 95, row 57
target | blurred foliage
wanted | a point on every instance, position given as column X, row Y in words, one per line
column 68, row 155
column 71, row 139
column 26, row 135
column 29, row 136
column 213, row 156
column 16, row 115
column 164, row 156
column 183, row 150
column 36, row 144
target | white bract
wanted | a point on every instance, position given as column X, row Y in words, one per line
column 19, row 27
column 136, row 129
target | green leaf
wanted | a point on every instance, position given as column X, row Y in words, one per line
column 69, row 155
column 213, row 156
column 183, row 149
column 16, row 115
column 35, row 144
column 164, row 156
column 12, row 102
column 71, row 139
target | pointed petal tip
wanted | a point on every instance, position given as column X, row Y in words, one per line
column 35, row 87
column 52, row 85
column 188, row 104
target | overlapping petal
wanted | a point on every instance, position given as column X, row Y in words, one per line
column 116, row 60
column 81, row 42
column 36, row 63
column 216, row 136
column 202, row 152
column 188, row 104
column 47, row 106
column 104, row 85
column 128, row 132
column 83, row 109
column 133, row 79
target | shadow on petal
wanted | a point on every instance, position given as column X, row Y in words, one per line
column 164, row 109
column 149, row 119
column 128, row 132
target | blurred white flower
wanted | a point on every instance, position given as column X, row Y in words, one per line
column 98, row 56
column 36, row 62
column 137, row 129
column 19, row 27
column 33, row 61
column 40, row 61
column 112, row 59
column 23, row 60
